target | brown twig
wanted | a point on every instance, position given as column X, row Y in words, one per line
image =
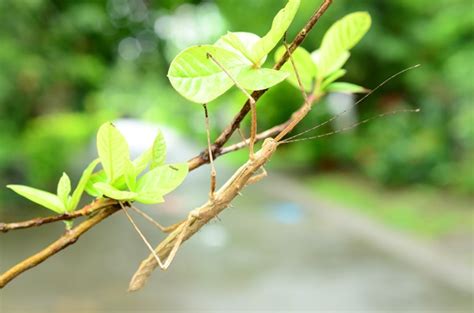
column 203, row 157
column 97, row 205
column 65, row 240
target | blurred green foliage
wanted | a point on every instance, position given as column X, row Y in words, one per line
column 67, row 66
column 419, row 210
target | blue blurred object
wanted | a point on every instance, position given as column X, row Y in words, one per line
column 286, row 212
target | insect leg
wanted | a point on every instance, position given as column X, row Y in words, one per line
column 251, row 101
column 211, row 157
column 165, row 229
column 257, row 177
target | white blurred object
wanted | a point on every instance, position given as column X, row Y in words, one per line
column 198, row 24
column 140, row 136
column 343, row 104
column 213, row 236
column 129, row 48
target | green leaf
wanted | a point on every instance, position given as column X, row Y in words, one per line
column 77, row 194
column 140, row 164
column 142, row 161
column 149, row 198
column 333, row 77
column 113, row 151
column 158, row 151
column 162, row 180
column 304, row 65
column 338, row 63
column 114, row 193
column 240, row 43
column 130, row 175
column 340, row 38
column 346, row 88
column 197, row 78
column 64, row 189
column 95, row 178
column 46, row 199
column 280, row 24
column 260, row 78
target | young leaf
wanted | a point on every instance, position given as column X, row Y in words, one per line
column 260, row 78
column 340, row 38
column 199, row 79
column 346, row 88
column 162, row 179
column 142, row 161
column 76, row 195
column 333, row 77
column 149, row 198
column 158, row 151
column 113, row 151
column 99, row 177
column 113, row 193
column 240, row 43
column 46, row 199
column 280, row 24
column 64, row 189
column 139, row 165
column 338, row 63
column 130, row 175
column 304, row 65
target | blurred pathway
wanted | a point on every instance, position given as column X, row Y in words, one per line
column 278, row 248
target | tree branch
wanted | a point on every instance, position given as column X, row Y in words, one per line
column 95, row 206
column 203, row 157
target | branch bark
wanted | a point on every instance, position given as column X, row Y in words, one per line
column 89, row 209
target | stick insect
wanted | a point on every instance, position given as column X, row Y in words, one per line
column 245, row 175
column 328, row 61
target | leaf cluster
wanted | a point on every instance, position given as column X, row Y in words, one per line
column 120, row 178
column 198, row 78
column 319, row 70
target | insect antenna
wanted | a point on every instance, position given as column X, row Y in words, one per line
column 355, row 104
column 341, row 130
column 251, row 101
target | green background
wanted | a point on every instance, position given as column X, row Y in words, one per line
column 67, row 66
